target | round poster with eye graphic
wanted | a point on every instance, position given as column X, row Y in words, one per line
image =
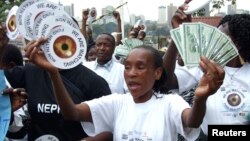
column 92, row 14
column 65, row 48
column 12, row 31
column 45, row 18
column 20, row 16
column 51, row 22
column 195, row 5
column 35, row 10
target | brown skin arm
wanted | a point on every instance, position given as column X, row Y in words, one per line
column 169, row 61
column 3, row 36
column 169, row 58
column 119, row 27
column 79, row 112
column 210, row 82
column 85, row 14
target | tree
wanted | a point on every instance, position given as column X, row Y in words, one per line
column 6, row 5
column 219, row 3
column 199, row 13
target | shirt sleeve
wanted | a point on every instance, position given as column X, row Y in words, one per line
column 103, row 112
column 177, row 106
column 187, row 78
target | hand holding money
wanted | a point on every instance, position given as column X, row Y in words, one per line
column 194, row 40
column 212, row 78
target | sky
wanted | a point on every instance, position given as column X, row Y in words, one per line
column 148, row 8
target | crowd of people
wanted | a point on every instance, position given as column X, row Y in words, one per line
column 147, row 96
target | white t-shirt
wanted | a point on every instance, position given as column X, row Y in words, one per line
column 112, row 72
column 231, row 103
column 158, row 119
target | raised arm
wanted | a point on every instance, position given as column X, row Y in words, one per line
column 85, row 14
column 80, row 112
column 169, row 58
column 3, row 36
column 210, row 82
column 119, row 27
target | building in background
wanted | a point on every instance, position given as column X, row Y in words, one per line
column 220, row 14
column 242, row 11
column 132, row 19
column 207, row 10
column 170, row 13
column 109, row 15
column 162, row 15
column 231, row 9
column 70, row 10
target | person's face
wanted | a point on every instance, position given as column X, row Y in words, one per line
column 92, row 54
column 140, row 74
column 225, row 29
column 104, row 48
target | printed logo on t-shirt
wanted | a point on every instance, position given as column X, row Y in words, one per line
column 235, row 102
column 48, row 108
column 47, row 138
column 136, row 136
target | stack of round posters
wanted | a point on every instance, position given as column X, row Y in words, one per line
column 66, row 46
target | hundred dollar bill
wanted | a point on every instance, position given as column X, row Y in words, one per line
column 206, row 33
column 227, row 47
column 227, row 54
column 215, row 38
column 176, row 36
column 191, row 43
column 228, row 57
column 219, row 45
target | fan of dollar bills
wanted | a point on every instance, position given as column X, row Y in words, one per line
column 127, row 45
column 194, row 40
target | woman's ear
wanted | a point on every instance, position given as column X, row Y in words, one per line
column 158, row 73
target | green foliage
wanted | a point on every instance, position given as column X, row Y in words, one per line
column 219, row 3
column 6, row 6
column 199, row 13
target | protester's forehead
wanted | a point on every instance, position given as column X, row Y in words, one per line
column 139, row 54
column 103, row 37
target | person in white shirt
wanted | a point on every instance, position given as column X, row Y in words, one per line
column 106, row 66
column 144, row 114
column 229, row 105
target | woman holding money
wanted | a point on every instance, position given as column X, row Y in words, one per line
column 145, row 113
column 230, row 104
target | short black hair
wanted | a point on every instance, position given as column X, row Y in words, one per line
column 239, row 28
column 111, row 36
column 160, row 85
column 225, row 19
column 11, row 53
